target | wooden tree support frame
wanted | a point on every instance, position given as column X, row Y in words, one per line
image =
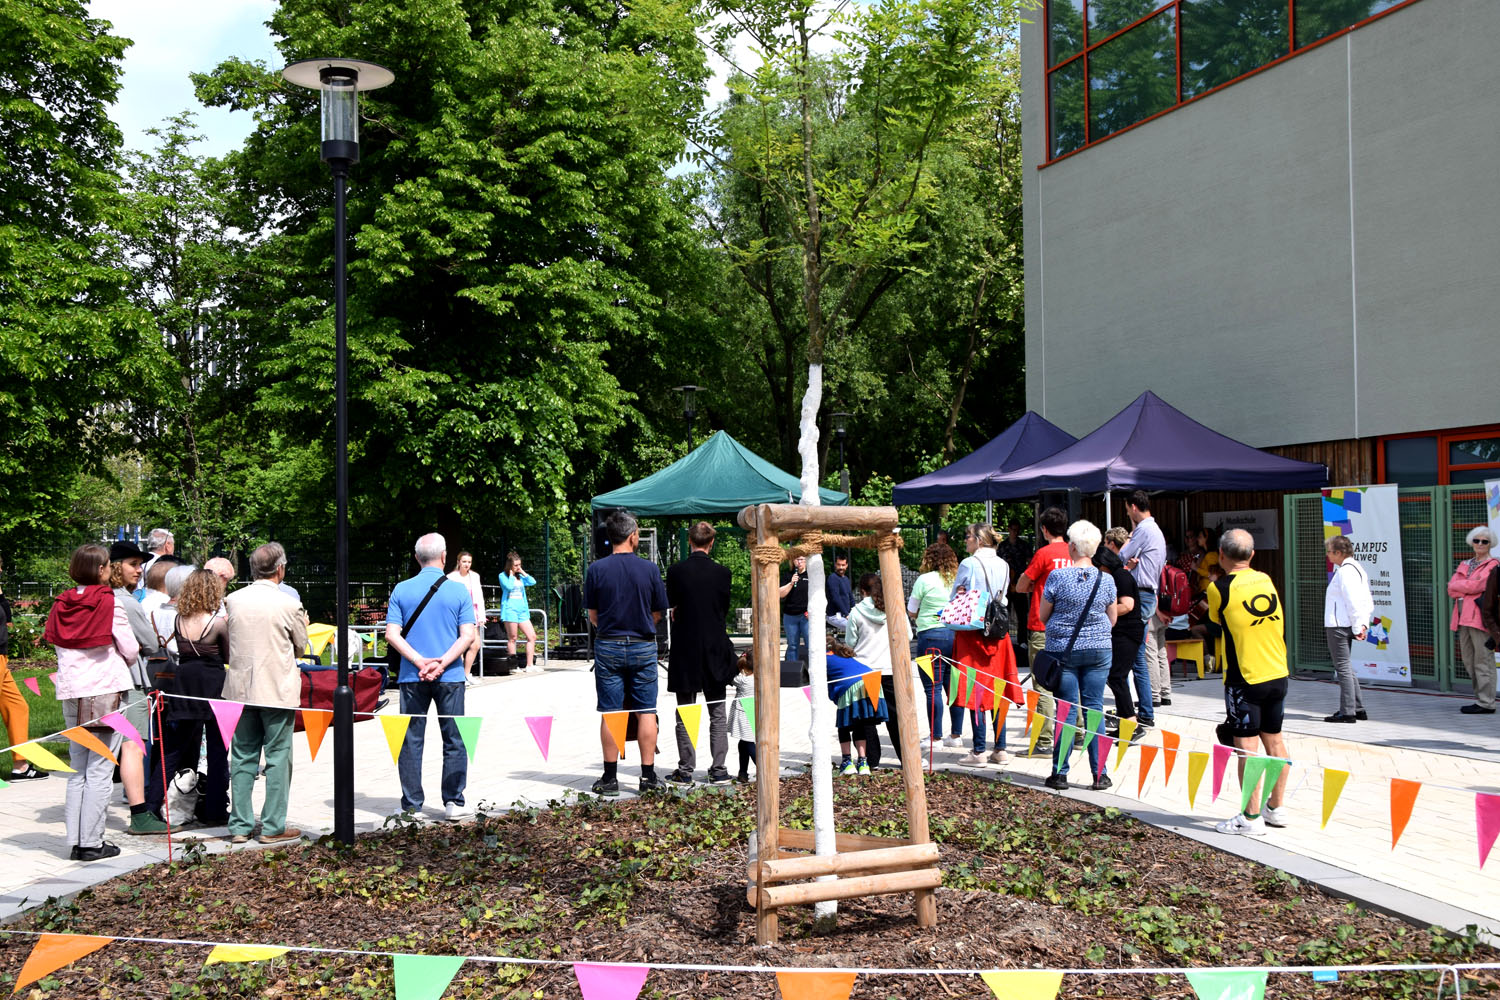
column 861, row 866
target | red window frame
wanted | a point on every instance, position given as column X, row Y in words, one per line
column 1175, row 6
column 1444, row 439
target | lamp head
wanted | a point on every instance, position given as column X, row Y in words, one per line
column 339, row 81
column 840, row 424
column 689, row 400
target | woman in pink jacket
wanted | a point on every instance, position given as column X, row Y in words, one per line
column 1465, row 587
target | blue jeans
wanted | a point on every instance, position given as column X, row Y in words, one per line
column 939, row 640
column 795, row 628
column 981, row 724
column 625, row 674
column 1142, row 668
column 447, row 699
column 1083, row 676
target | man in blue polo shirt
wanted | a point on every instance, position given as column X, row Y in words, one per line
column 432, row 671
column 626, row 598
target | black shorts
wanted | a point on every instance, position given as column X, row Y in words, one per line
column 1255, row 708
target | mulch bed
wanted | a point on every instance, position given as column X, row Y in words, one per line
column 1031, row 880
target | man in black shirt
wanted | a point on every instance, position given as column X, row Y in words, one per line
column 794, row 609
column 840, row 593
column 702, row 656
column 1129, row 631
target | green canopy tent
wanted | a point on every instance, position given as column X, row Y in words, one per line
column 720, row 476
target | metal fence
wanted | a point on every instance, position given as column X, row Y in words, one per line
column 1434, row 521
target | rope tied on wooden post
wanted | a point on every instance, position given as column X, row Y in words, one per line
column 812, row 542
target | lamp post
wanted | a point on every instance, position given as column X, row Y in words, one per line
column 689, row 410
column 339, row 81
column 841, row 431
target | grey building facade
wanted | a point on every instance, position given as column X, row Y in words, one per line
column 1283, row 216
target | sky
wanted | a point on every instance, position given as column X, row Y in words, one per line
column 172, row 39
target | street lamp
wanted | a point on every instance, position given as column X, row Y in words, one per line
column 689, row 409
column 339, row 81
column 841, row 431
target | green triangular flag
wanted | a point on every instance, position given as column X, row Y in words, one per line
column 953, row 672
column 1228, row 984
column 425, row 977
column 468, row 728
column 1069, row 732
column 1091, row 720
column 748, row 704
column 1255, row 768
column 1273, row 774
column 969, row 692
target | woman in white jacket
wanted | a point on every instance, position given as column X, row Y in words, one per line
column 1347, row 609
column 867, row 635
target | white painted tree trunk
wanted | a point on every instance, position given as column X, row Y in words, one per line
column 822, row 726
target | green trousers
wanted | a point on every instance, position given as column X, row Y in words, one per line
column 268, row 729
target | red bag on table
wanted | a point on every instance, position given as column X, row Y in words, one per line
column 318, row 686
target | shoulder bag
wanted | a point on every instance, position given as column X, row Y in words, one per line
column 392, row 655
column 1047, row 668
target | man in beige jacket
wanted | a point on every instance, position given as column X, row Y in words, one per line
column 267, row 629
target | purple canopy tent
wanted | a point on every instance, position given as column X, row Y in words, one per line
column 1150, row 445
column 1028, row 440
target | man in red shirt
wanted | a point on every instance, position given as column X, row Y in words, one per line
column 1053, row 555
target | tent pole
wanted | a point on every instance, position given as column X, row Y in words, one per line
column 1109, row 516
column 989, row 512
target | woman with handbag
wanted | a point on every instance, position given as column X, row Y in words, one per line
column 95, row 648
column 202, row 638
column 1078, row 606
column 929, row 595
column 990, row 656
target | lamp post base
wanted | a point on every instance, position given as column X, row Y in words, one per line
column 343, row 763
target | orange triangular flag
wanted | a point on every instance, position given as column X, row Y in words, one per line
column 52, row 952
column 1148, row 757
column 315, row 721
column 84, row 738
column 1002, row 708
column 815, row 985
column 1031, row 700
column 872, row 687
column 1403, row 797
column 1169, row 744
column 616, row 722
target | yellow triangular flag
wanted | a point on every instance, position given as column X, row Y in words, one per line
column 1023, row 984
column 42, row 757
column 924, row 664
column 617, row 721
column 692, row 721
column 1127, row 730
column 243, row 953
column 1197, row 764
column 1333, row 787
column 1036, row 733
column 84, row 738
column 395, row 733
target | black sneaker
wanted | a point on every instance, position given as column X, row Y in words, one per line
column 1057, row 781
column 651, row 783
column 1143, row 724
column 1476, row 710
column 1166, row 701
column 1362, row 715
column 742, row 779
column 718, row 776
column 681, row 777
column 104, row 850
column 30, row 774
column 1340, row 717
column 609, row 787
column 1101, row 783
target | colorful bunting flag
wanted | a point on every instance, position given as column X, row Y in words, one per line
column 244, row 953
column 1104, row 744
column 1064, row 712
column 1221, row 761
column 1228, row 984
column 395, row 734
column 1486, row 822
column 1169, row 745
column 692, row 721
column 1197, row 764
column 972, row 679
column 541, row 731
column 1274, row 766
column 468, row 731
column 42, row 757
column 1092, row 720
column 1403, row 797
column 123, row 726
column 1127, row 731
column 1148, row 757
column 616, row 723
column 1066, row 731
column 1333, row 787
column 84, row 738
column 872, row 688
column 815, row 985
column 52, row 679
column 1031, row 702
column 1023, row 984
column 610, row 982
column 315, row 723
column 748, row 704
column 227, row 713
column 425, row 977
column 31, row 682
column 924, row 664
column 1255, row 768
column 954, row 675
column 53, row 951
column 1036, row 732
column 807, row 692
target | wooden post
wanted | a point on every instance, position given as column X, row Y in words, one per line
column 906, row 709
column 767, row 605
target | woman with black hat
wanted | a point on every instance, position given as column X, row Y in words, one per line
column 125, row 561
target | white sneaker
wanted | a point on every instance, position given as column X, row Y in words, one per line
column 455, row 813
column 999, row 757
column 925, row 743
column 953, row 741
column 972, row 760
column 1240, row 826
column 1273, row 816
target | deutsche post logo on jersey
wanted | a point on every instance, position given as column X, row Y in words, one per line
column 1262, row 608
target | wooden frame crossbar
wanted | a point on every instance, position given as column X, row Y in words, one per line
column 873, row 865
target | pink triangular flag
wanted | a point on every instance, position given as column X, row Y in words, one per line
column 541, row 731
column 1104, row 744
column 1064, row 713
column 121, row 725
column 31, row 682
column 228, row 715
column 807, row 690
column 610, row 982
column 1487, row 819
column 52, row 677
column 1221, row 761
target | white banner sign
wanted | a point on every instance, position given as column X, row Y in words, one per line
column 1262, row 525
column 1492, row 505
column 1369, row 517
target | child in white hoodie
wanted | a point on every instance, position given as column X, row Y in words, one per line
column 871, row 643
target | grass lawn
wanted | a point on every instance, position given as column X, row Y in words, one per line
column 46, row 711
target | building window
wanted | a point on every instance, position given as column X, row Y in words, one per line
column 1143, row 57
column 1441, row 458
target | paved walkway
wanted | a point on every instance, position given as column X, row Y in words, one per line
column 1436, row 859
